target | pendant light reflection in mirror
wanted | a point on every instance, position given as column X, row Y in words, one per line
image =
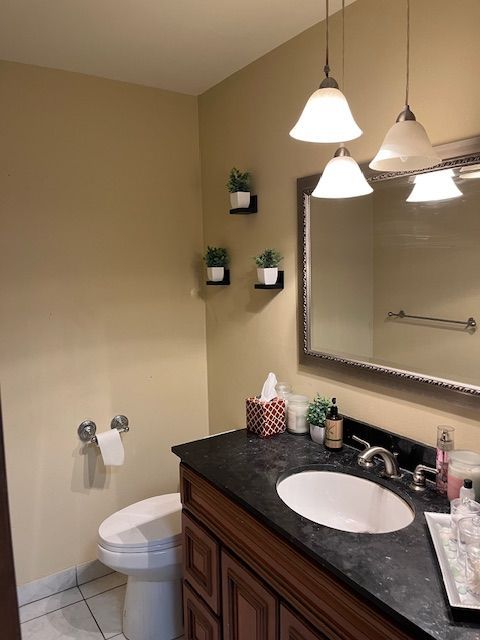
column 326, row 117
column 406, row 146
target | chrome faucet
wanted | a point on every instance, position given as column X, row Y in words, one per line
column 365, row 458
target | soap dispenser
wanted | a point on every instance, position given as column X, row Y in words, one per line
column 333, row 428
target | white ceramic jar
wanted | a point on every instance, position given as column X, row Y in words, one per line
column 297, row 414
column 463, row 464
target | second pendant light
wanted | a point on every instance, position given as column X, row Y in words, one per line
column 406, row 146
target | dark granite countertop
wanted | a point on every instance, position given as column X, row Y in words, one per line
column 396, row 571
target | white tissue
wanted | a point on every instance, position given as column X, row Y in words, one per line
column 268, row 390
column 111, row 448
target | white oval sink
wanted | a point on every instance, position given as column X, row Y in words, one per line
column 345, row 502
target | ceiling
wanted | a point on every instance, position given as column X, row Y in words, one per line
column 181, row 45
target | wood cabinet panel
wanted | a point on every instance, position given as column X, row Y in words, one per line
column 249, row 608
column 292, row 628
column 199, row 621
column 323, row 600
column 201, row 562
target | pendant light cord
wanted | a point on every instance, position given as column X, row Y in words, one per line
column 408, row 53
column 326, row 67
column 343, row 46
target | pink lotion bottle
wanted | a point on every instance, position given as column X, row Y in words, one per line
column 444, row 446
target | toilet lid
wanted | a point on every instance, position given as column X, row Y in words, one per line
column 153, row 524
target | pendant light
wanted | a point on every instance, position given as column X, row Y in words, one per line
column 406, row 146
column 433, row 186
column 342, row 178
column 326, row 116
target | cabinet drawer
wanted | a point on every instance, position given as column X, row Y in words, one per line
column 249, row 608
column 201, row 562
column 293, row 628
column 199, row 621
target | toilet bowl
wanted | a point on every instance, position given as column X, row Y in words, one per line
column 143, row 542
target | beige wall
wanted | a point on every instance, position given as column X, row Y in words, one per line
column 99, row 246
column 244, row 121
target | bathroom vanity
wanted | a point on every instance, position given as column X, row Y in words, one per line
column 256, row 570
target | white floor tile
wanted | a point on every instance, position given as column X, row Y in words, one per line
column 74, row 622
column 90, row 589
column 52, row 603
column 45, row 587
column 107, row 609
column 89, row 571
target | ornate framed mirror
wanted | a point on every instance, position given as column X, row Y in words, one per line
column 392, row 286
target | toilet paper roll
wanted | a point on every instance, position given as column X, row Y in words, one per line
column 111, row 448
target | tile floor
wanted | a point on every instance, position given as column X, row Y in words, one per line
column 91, row 611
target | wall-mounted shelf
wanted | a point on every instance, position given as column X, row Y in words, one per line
column 277, row 285
column 251, row 209
column 224, row 282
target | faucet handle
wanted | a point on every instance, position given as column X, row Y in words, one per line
column 419, row 481
column 366, row 464
column 361, row 441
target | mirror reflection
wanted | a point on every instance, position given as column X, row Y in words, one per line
column 399, row 252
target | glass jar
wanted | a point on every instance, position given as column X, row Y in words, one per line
column 297, row 414
column 463, row 464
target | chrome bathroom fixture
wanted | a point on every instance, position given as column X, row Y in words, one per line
column 365, row 459
column 87, row 429
column 419, row 481
column 470, row 323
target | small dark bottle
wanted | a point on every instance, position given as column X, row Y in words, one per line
column 333, row 428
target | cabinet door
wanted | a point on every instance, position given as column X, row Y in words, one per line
column 293, row 628
column 201, row 562
column 249, row 608
column 199, row 621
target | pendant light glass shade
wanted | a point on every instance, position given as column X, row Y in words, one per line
column 342, row 178
column 436, row 185
column 470, row 173
column 326, row 118
column 406, row 147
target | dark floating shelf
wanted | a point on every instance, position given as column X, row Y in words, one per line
column 224, row 282
column 277, row 285
column 251, row 209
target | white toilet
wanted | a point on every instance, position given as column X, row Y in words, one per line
column 143, row 541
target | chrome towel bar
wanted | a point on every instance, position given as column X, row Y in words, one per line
column 87, row 429
column 470, row 323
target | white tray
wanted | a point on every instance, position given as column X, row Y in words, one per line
column 458, row 597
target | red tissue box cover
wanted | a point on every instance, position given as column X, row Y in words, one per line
column 265, row 418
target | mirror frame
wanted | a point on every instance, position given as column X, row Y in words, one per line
column 454, row 155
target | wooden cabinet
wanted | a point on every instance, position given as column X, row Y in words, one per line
column 201, row 562
column 199, row 621
column 249, row 608
column 292, row 628
column 248, row 579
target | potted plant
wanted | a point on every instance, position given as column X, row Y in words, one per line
column 316, row 414
column 267, row 266
column 239, row 186
column 216, row 259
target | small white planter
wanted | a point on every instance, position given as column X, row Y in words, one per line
column 240, row 200
column 216, row 274
column 267, row 276
column 317, row 433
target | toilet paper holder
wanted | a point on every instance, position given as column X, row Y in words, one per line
column 87, row 429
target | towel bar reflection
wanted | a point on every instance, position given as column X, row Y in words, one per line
column 468, row 324
column 87, row 430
